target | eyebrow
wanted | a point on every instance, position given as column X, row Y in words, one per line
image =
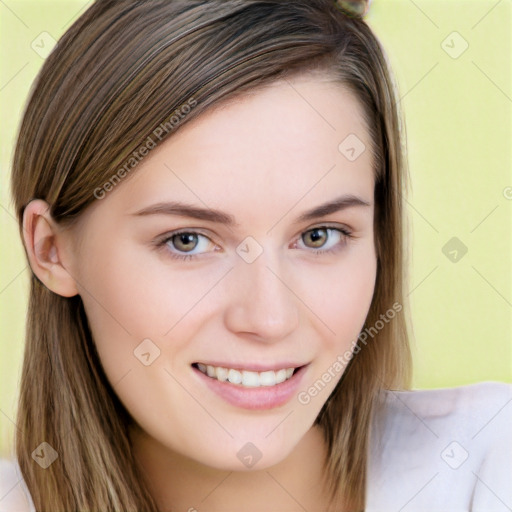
column 181, row 209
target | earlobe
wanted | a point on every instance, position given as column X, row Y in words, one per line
column 44, row 243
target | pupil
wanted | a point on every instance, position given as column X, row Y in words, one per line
column 317, row 235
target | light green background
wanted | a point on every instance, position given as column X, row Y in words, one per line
column 458, row 123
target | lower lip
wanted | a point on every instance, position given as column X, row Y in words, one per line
column 260, row 398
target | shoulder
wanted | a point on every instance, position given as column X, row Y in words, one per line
column 14, row 496
column 450, row 448
column 450, row 406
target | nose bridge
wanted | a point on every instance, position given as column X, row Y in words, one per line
column 260, row 301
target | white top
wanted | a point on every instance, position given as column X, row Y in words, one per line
column 443, row 450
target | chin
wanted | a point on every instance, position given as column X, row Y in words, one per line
column 246, row 456
column 253, row 449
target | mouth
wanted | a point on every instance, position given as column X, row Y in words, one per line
column 247, row 378
column 254, row 387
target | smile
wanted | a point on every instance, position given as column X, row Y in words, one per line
column 249, row 388
column 246, row 378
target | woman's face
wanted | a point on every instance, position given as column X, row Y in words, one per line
column 265, row 278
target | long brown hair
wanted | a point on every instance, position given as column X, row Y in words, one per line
column 124, row 71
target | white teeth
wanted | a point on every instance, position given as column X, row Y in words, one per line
column 234, row 376
column 222, row 373
column 250, row 379
column 268, row 378
column 280, row 376
column 246, row 378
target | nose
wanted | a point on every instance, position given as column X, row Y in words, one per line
column 261, row 301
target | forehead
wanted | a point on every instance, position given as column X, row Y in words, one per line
column 271, row 148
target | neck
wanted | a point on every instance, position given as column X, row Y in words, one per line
column 180, row 483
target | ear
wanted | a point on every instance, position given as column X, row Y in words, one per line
column 44, row 243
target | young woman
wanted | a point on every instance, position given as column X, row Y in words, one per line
column 210, row 198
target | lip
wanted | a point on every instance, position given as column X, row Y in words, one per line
column 261, row 398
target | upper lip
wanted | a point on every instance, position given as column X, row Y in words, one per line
column 252, row 367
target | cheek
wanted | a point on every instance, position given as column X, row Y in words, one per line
column 342, row 303
column 133, row 297
column 341, row 297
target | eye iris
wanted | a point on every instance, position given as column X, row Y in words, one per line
column 317, row 236
column 186, row 239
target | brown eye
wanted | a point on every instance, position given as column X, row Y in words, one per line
column 186, row 245
column 184, row 241
column 324, row 239
column 317, row 237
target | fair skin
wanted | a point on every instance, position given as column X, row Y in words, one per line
column 264, row 159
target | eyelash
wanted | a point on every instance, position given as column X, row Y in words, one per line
column 346, row 236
